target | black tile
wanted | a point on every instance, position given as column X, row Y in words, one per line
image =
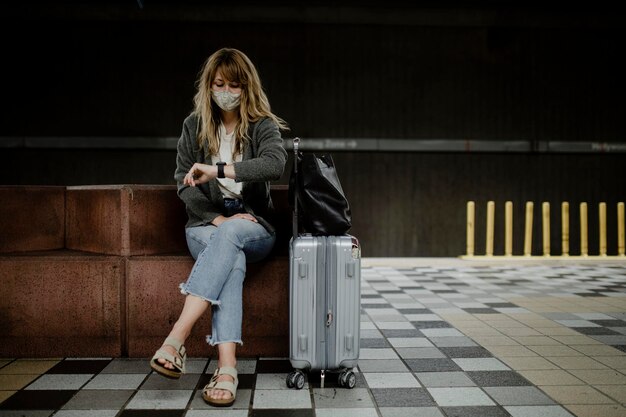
column 444, row 291
column 283, row 413
column 610, row 323
column 431, row 324
column 596, row 331
column 365, row 305
column 480, row 310
column 69, row 366
column 475, row 412
column 37, row 400
column 402, row 397
column 589, row 294
column 273, row 366
column 466, row 352
column 391, row 292
column 152, row 413
column 402, row 333
column 432, row 365
column 498, row 379
column 501, row 305
column 415, row 311
column 378, row 297
column 246, row 381
column 375, row 343
column 620, row 347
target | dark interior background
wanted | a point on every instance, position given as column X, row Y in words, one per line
column 486, row 71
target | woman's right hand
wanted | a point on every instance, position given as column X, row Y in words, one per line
column 199, row 174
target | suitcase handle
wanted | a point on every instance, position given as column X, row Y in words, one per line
column 296, row 145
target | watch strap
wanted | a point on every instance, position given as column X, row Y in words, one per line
column 220, row 169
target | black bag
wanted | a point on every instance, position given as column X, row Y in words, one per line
column 321, row 201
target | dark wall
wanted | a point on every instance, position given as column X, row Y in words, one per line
column 444, row 71
column 380, row 72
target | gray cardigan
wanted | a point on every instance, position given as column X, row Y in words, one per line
column 263, row 160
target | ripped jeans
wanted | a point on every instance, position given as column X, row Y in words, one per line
column 217, row 276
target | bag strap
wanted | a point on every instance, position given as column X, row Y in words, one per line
column 296, row 145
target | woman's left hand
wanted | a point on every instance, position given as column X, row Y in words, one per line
column 199, row 174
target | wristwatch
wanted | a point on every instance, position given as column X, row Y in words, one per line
column 220, row 169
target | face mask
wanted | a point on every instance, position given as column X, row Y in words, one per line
column 226, row 100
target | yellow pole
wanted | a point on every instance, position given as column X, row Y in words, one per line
column 528, row 232
column 508, row 228
column 491, row 209
column 565, row 228
column 471, row 211
column 602, row 214
column 545, row 208
column 620, row 229
column 584, row 243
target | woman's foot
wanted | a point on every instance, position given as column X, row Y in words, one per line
column 172, row 351
column 220, row 392
column 169, row 360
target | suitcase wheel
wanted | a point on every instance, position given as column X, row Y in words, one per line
column 295, row 380
column 347, row 379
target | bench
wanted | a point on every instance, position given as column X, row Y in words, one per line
column 94, row 271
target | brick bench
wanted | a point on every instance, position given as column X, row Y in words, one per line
column 94, row 271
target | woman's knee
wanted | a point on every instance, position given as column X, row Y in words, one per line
column 236, row 230
column 198, row 238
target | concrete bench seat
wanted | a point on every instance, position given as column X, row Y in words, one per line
column 105, row 282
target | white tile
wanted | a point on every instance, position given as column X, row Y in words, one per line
column 538, row 411
column 282, row 399
column 59, row 382
column 423, row 317
column 373, row 312
column 459, row 397
column 391, row 380
column 217, row 413
column 346, row 412
column 371, row 334
column 116, row 381
column 394, row 325
column 160, row 399
column 405, row 342
column 86, row 413
column 383, row 353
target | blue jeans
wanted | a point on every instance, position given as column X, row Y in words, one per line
column 217, row 276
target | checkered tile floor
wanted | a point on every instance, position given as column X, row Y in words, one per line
column 447, row 340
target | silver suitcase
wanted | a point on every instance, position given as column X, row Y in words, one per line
column 325, row 307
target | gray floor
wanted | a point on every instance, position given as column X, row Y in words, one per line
column 440, row 338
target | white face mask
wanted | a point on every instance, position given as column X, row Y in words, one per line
column 226, row 100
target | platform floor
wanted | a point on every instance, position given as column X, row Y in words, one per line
column 439, row 337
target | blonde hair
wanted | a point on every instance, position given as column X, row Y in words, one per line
column 235, row 66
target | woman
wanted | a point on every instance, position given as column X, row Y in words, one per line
column 229, row 150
